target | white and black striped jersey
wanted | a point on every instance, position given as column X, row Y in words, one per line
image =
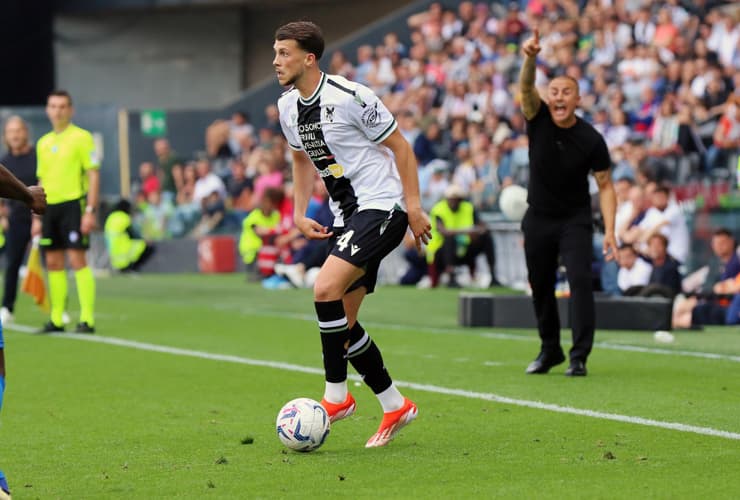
column 340, row 126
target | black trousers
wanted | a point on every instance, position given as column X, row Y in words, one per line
column 16, row 243
column 569, row 237
column 479, row 244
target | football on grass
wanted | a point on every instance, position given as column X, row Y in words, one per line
column 302, row 424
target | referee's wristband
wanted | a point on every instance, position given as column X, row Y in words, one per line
column 89, row 209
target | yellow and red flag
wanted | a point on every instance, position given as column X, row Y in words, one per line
column 33, row 283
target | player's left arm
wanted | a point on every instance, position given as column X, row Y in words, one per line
column 90, row 165
column 408, row 171
column 608, row 203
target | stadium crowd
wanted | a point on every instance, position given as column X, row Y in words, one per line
column 660, row 81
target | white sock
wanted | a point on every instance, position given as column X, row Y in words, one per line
column 390, row 399
column 336, row 392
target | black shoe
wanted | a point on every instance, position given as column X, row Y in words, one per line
column 50, row 327
column 576, row 369
column 494, row 282
column 544, row 362
column 84, row 328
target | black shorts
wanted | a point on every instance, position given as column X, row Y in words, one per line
column 61, row 226
column 369, row 236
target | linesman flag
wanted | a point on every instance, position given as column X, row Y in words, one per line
column 33, row 283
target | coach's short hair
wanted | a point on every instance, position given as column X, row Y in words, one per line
column 61, row 93
column 307, row 34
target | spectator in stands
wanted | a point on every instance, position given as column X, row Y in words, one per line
column 726, row 262
column 148, row 180
column 217, row 146
column 408, row 126
column 723, row 309
column 241, row 133
column 726, row 138
column 666, row 217
column 431, row 145
column 169, row 168
column 665, row 278
column 213, row 213
column 663, row 147
column 705, row 307
column 239, row 187
column 433, row 188
column 187, row 186
column 154, row 218
column 272, row 119
column 207, row 182
column 339, row 65
column 269, row 175
column 458, row 237
column 634, row 272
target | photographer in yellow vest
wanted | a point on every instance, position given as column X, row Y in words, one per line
column 458, row 237
column 127, row 251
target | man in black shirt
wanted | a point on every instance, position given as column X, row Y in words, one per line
column 20, row 160
column 563, row 149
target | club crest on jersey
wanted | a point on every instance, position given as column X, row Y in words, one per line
column 371, row 116
column 330, row 113
column 334, row 170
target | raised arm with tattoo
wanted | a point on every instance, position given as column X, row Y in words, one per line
column 530, row 100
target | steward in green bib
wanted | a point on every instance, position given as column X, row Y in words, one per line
column 67, row 168
column 259, row 226
column 127, row 252
column 458, row 237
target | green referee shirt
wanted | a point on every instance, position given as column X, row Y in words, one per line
column 63, row 161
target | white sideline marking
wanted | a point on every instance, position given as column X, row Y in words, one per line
column 708, row 431
column 498, row 335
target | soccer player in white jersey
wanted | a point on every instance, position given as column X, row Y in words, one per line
column 342, row 130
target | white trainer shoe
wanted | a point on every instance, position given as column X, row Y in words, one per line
column 6, row 317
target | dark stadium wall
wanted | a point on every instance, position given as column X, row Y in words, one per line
column 28, row 56
column 172, row 59
column 186, row 58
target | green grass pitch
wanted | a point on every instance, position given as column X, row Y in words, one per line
column 177, row 395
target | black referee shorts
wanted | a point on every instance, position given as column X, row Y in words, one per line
column 367, row 238
column 61, row 226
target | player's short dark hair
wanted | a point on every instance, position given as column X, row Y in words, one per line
column 662, row 188
column 307, row 34
column 660, row 237
column 61, row 93
column 627, row 246
column 723, row 231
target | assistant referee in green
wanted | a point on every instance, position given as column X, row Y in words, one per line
column 67, row 168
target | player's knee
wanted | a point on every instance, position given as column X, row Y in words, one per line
column 325, row 290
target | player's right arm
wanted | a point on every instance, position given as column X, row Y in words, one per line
column 530, row 101
column 303, row 179
column 11, row 187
